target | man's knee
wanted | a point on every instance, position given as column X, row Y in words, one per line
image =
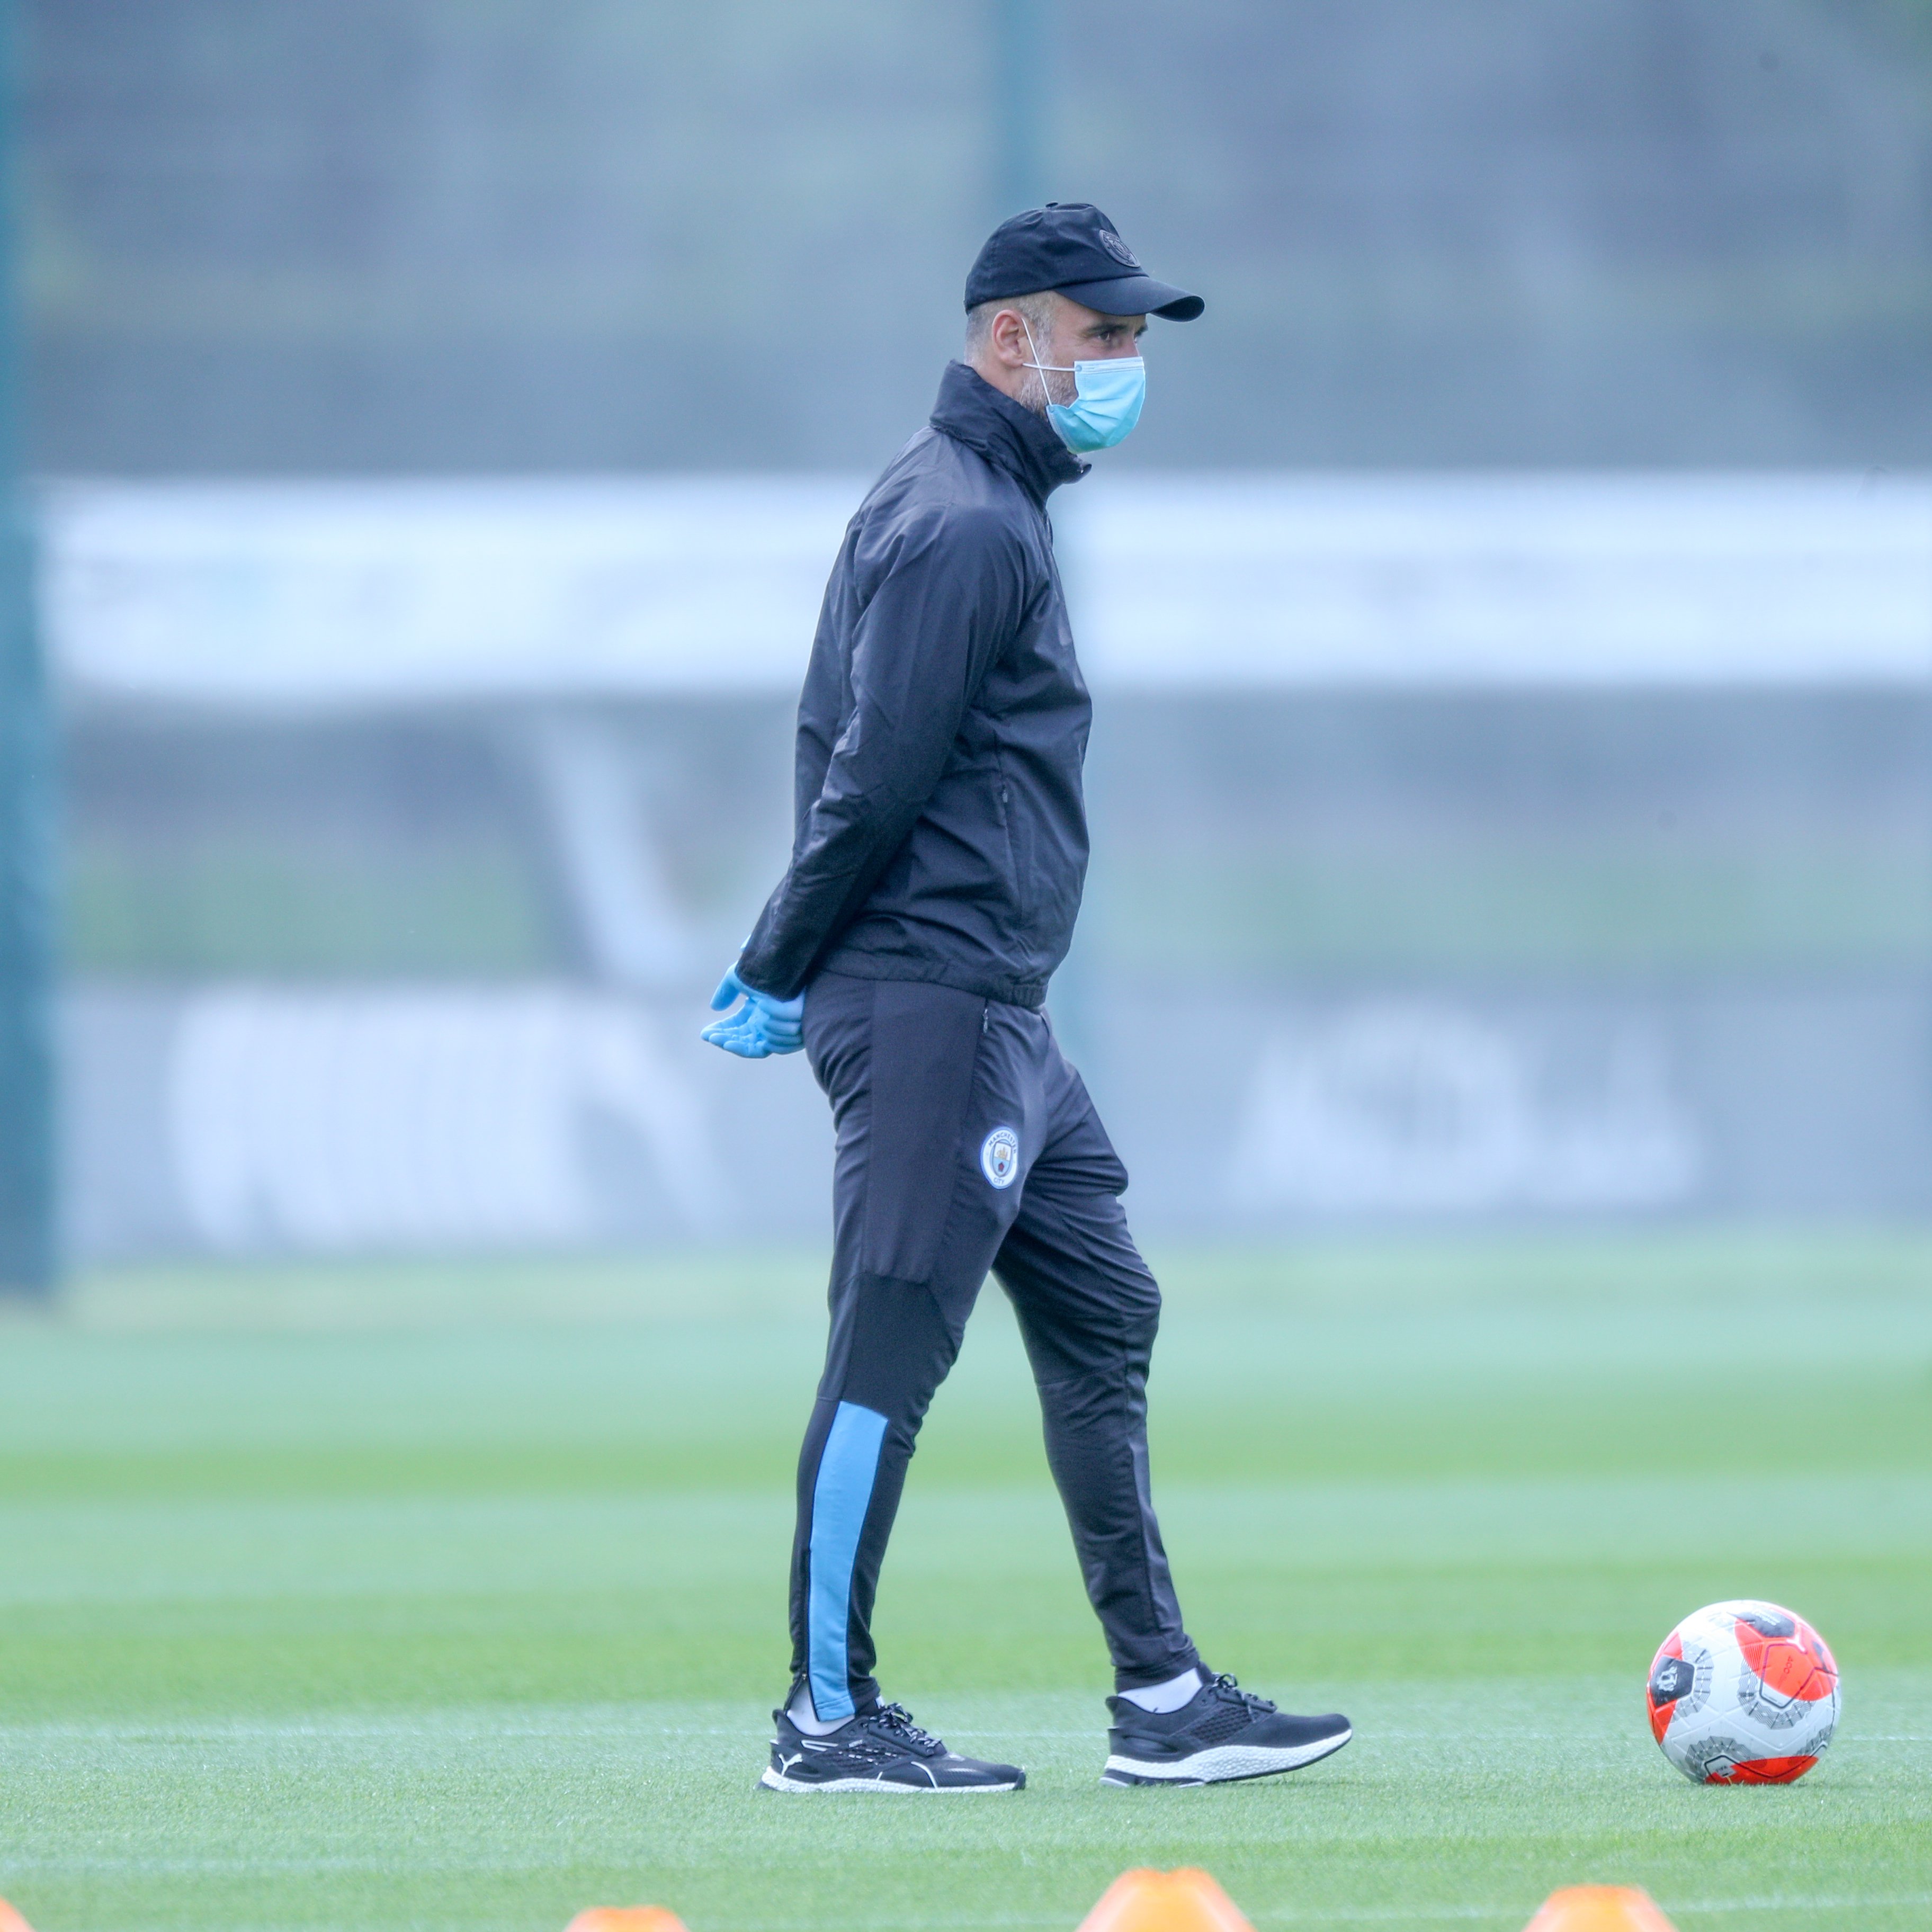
column 1133, row 1296
column 1140, row 1323
column 892, row 1344
column 1090, row 1356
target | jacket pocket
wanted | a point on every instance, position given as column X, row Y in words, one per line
column 1015, row 872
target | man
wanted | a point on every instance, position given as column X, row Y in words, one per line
column 940, row 848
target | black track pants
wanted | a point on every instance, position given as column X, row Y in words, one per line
column 966, row 1143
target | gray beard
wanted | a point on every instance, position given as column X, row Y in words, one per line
column 1044, row 386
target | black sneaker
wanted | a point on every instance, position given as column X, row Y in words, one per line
column 877, row 1750
column 1222, row 1732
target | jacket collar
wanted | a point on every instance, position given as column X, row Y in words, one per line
column 1023, row 444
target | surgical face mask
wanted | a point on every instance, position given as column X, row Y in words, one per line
column 1107, row 398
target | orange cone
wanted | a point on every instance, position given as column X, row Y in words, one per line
column 611, row 1919
column 11, row 1921
column 1186, row 1901
column 1599, row 1908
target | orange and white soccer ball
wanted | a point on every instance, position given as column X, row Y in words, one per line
column 1743, row 1693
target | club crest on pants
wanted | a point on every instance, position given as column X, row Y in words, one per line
column 1000, row 1156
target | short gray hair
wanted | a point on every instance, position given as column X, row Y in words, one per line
column 1037, row 312
column 1037, row 309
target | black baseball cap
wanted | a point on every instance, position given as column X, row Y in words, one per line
column 1072, row 247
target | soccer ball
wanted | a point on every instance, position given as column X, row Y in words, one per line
column 1743, row 1693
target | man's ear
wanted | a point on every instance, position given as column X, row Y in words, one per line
column 1008, row 336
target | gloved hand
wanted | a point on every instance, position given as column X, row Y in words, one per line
column 761, row 1027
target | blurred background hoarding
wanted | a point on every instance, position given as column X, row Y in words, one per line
column 401, row 235
column 1510, row 630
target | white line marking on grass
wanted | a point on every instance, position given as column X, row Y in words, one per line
column 1621, row 1743
column 351, row 1733
column 94, row 1866
column 1514, row 1912
column 1371, row 1914
column 240, row 1867
column 14, row 1738
column 1777, row 1902
column 1357, row 1915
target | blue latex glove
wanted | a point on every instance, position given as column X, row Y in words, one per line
column 761, row 1027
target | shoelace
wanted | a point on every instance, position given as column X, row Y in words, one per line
column 1228, row 1687
column 897, row 1719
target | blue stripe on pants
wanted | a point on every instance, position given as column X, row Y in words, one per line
column 839, row 1500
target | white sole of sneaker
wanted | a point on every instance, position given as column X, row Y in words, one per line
column 774, row 1781
column 1222, row 1765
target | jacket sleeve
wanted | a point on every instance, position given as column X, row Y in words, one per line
column 948, row 598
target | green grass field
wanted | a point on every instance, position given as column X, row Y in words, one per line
column 436, row 1598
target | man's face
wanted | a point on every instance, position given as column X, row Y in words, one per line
column 1071, row 334
column 1081, row 335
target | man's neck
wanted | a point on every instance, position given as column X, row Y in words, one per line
column 1011, row 382
column 1017, row 438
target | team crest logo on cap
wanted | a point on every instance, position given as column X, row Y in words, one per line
column 1000, row 1156
column 1118, row 249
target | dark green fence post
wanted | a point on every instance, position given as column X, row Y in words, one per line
column 1024, row 49
column 29, row 1248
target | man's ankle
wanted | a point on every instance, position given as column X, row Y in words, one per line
column 1159, row 1699
column 807, row 1719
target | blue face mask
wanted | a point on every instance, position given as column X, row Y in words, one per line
column 1107, row 399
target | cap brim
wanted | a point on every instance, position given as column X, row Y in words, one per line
column 1136, row 294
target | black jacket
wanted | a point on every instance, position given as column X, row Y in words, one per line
column 941, row 834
